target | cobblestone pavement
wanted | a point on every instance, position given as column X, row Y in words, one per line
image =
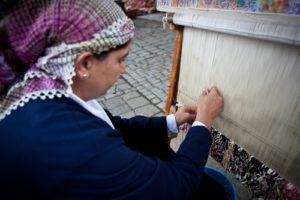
column 143, row 89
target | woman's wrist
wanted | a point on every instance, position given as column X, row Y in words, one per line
column 205, row 120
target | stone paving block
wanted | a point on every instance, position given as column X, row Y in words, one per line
column 109, row 96
column 128, row 90
column 161, row 94
column 162, row 105
column 119, row 93
column 114, row 102
column 139, row 87
column 150, row 96
column 121, row 109
column 156, row 91
column 124, row 86
column 155, row 100
column 148, row 110
column 130, row 95
column 144, row 90
column 137, row 102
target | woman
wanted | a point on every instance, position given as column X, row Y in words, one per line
column 56, row 141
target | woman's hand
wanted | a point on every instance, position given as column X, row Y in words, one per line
column 185, row 114
column 210, row 104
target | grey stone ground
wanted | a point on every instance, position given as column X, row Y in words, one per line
column 143, row 89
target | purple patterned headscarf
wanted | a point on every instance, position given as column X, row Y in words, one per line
column 47, row 36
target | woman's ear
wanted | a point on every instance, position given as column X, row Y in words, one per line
column 83, row 65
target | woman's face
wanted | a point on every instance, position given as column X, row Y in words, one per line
column 105, row 72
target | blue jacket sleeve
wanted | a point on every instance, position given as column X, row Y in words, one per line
column 147, row 135
column 150, row 127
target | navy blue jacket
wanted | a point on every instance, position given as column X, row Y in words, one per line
column 55, row 149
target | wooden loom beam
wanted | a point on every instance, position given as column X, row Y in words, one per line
column 173, row 87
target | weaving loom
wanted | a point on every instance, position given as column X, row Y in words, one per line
column 252, row 54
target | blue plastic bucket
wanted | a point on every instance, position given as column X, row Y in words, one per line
column 221, row 178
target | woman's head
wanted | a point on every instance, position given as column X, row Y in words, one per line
column 48, row 36
column 96, row 73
